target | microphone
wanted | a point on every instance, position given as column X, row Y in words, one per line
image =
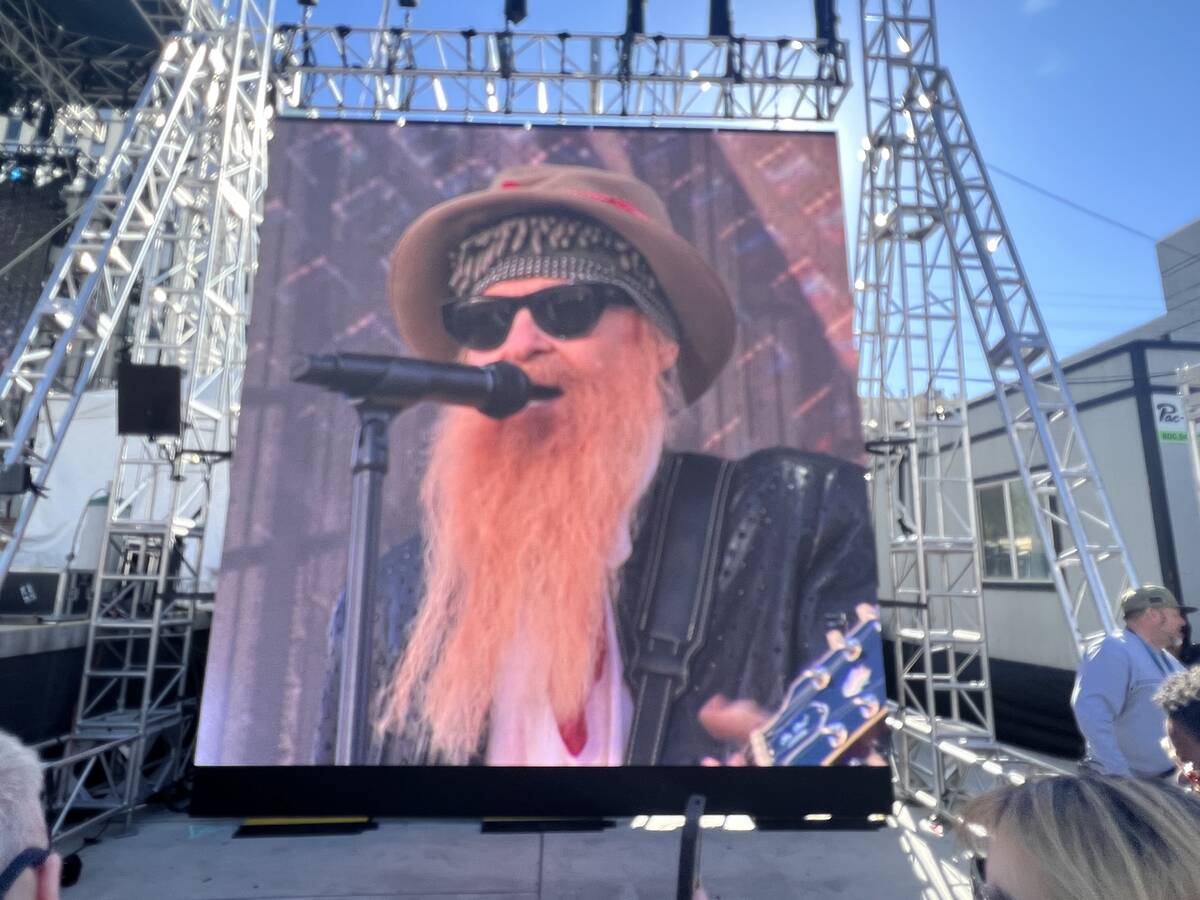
column 497, row 390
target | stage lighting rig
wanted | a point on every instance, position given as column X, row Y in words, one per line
column 720, row 18
column 635, row 17
column 45, row 122
column 827, row 19
column 515, row 11
column 8, row 91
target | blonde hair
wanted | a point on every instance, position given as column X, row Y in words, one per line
column 1092, row 838
column 22, row 822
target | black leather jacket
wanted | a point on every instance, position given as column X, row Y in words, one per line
column 799, row 555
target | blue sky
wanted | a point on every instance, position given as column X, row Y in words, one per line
column 1093, row 100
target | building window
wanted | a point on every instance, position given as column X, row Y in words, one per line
column 1011, row 547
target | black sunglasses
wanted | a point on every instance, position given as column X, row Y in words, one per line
column 564, row 311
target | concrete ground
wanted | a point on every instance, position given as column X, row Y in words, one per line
column 172, row 856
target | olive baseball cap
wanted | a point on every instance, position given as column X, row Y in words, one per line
column 1150, row 596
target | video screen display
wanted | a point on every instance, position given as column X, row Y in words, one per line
column 669, row 562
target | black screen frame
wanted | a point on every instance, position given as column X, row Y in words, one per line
column 851, row 796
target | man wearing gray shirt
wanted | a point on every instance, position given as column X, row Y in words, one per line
column 1118, row 677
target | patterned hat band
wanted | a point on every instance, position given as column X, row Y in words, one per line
column 560, row 246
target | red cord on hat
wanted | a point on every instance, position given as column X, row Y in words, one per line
column 623, row 205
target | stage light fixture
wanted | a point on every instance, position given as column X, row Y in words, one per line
column 635, row 17
column 515, row 11
column 720, row 18
column 8, row 91
column 827, row 19
column 45, row 123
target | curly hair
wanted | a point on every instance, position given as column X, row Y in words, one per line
column 1179, row 696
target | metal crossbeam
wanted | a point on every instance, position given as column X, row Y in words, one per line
column 960, row 761
column 390, row 72
column 166, row 17
column 25, row 29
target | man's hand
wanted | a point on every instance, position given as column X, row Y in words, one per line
column 733, row 721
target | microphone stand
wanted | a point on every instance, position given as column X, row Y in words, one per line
column 370, row 465
column 380, row 388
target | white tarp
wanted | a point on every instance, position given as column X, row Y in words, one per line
column 80, row 475
column 74, row 509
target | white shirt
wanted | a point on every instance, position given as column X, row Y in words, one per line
column 526, row 734
column 522, row 732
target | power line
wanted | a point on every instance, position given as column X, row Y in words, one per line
column 1188, row 255
column 1078, row 207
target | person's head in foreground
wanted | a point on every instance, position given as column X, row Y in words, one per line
column 1089, row 838
column 1179, row 697
column 28, row 870
column 577, row 276
column 1154, row 614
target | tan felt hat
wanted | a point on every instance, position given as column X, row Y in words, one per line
column 419, row 270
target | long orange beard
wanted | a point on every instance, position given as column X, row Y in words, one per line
column 522, row 518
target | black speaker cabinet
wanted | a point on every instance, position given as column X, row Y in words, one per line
column 29, row 593
column 14, row 479
column 148, row 399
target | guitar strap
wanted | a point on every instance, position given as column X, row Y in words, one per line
column 676, row 593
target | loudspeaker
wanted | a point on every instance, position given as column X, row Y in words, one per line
column 29, row 593
column 148, row 399
column 15, row 480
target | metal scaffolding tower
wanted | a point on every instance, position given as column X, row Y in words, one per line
column 168, row 240
column 933, row 245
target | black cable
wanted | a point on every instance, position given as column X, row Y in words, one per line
column 1079, row 207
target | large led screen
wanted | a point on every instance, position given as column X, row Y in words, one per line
column 539, row 604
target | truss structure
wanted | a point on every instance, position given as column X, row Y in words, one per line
column 934, row 250
column 85, row 71
column 166, row 244
column 392, row 72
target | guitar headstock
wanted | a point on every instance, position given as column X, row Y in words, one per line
column 833, row 702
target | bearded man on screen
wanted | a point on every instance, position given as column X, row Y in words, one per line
column 513, row 630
